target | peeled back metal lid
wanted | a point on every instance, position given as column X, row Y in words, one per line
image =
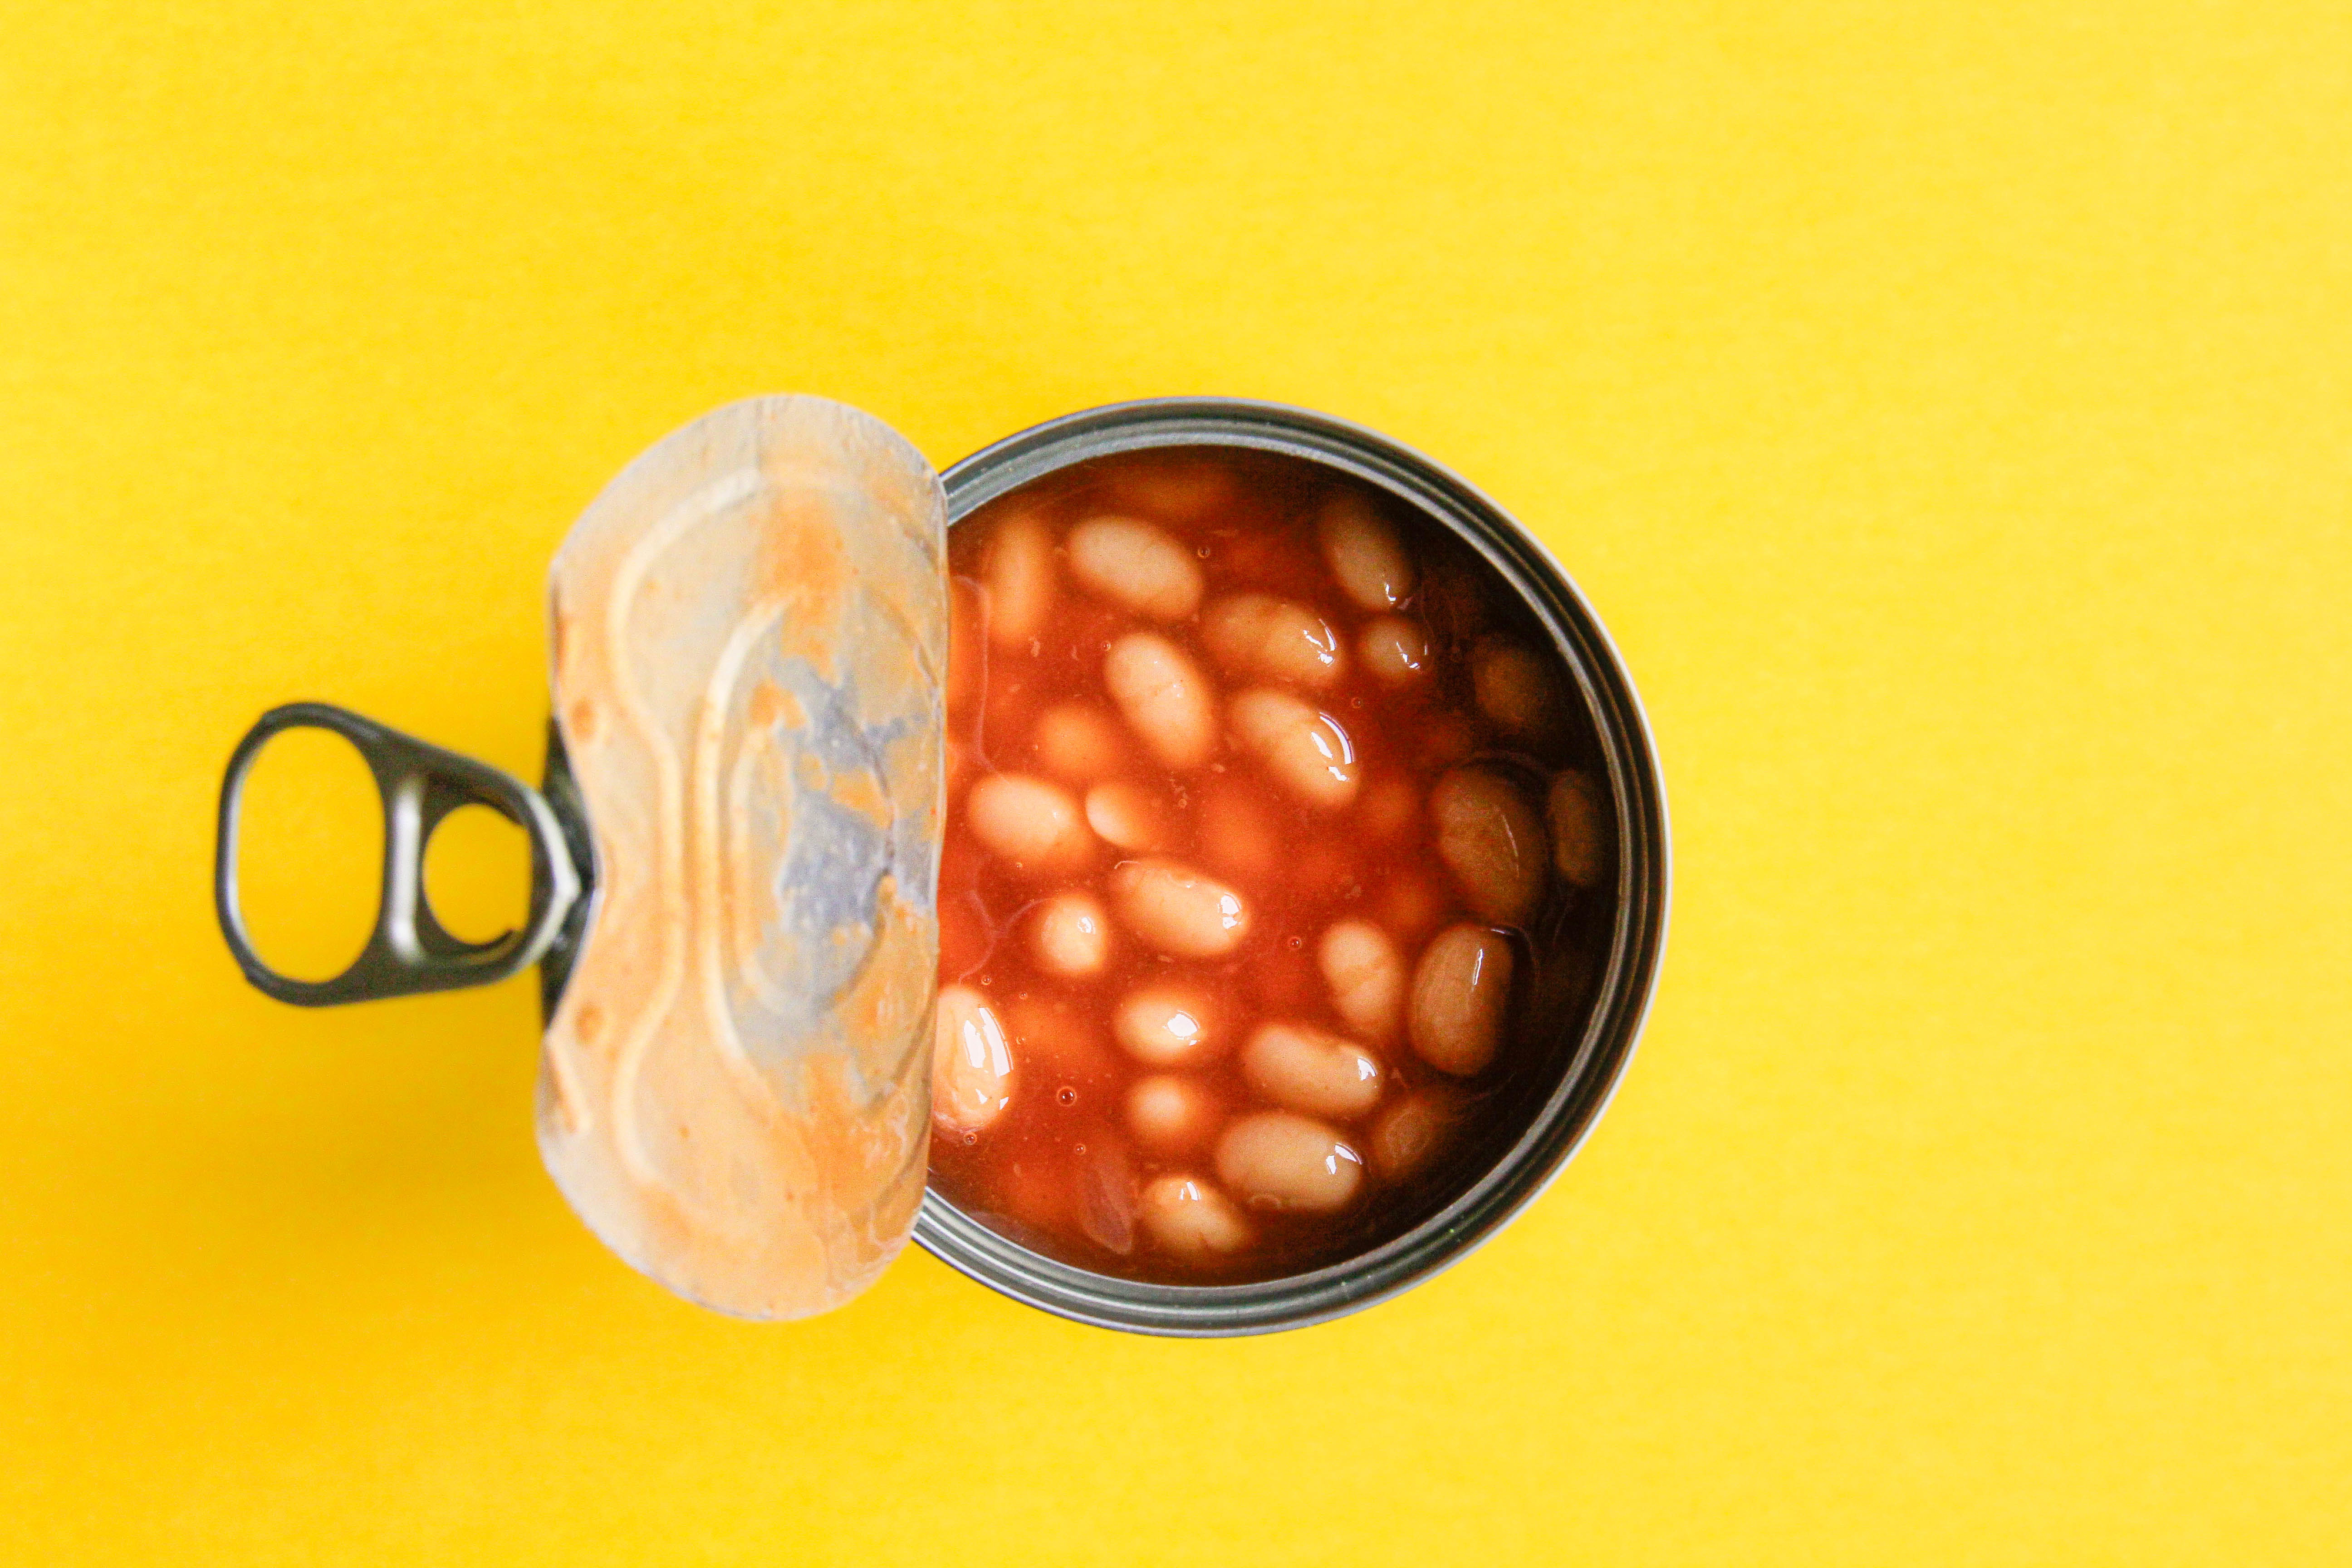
column 748, row 647
column 750, row 632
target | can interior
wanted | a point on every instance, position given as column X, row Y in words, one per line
column 1534, row 1115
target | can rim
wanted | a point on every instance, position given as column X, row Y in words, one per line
column 1620, row 1003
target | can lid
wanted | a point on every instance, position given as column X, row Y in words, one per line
column 750, row 638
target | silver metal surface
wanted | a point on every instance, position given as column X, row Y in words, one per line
column 1594, row 1061
column 408, row 951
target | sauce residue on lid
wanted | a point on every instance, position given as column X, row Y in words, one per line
column 750, row 635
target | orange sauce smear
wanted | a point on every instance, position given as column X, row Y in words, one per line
column 1059, row 1164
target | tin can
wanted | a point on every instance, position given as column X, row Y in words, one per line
column 1589, row 1066
column 1581, row 1067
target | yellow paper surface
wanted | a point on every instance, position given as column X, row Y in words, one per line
column 1948, row 407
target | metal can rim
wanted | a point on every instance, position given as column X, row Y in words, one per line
column 1629, row 981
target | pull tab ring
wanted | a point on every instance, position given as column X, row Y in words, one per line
column 409, row 951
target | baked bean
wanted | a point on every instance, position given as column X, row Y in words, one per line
column 1280, row 1160
column 1492, row 841
column 1367, row 977
column 1164, row 696
column 1459, row 990
column 971, row 1066
column 1444, row 739
column 1192, row 1218
column 1412, row 905
column 1030, row 822
column 1034, row 1194
column 1406, row 1134
column 1364, row 553
column 1172, row 488
column 1307, row 752
column 1127, row 815
column 1168, row 1024
column 1273, row 639
column 1306, row 1069
column 1078, row 741
column 1135, row 566
column 967, row 648
column 1018, row 572
column 1179, row 910
column 1580, row 845
column 1395, row 650
column 1171, row 1113
column 1106, row 1198
column 1515, row 688
column 1070, row 935
column 1388, row 809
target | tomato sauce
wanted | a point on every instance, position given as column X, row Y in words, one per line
column 1275, row 870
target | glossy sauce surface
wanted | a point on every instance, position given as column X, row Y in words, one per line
column 1275, row 867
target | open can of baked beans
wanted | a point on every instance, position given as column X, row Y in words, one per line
column 1195, row 866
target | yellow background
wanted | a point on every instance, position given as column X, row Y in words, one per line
column 1948, row 408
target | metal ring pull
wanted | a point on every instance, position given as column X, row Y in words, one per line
column 409, row 951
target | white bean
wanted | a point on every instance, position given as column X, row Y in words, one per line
column 1106, row 1196
column 1017, row 570
column 1307, row 752
column 1070, row 935
column 1033, row 824
column 1580, row 845
column 1395, row 650
column 1367, row 977
column 1127, row 815
column 1412, row 906
column 1492, row 841
column 967, row 647
column 1078, row 741
column 1407, row 1134
column 1170, row 1114
column 1364, row 553
column 1302, row 1068
column 1136, row 566
column 1164, row 696
column 1279, row 1160
column 1168, row 1024
column 1388, row 809
column 971, row 1066
column 1273, row 639
column 1192, row 1218
column 1179, row 910
column 1514, row 688
column 1459, row 990
column 1175, row 487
